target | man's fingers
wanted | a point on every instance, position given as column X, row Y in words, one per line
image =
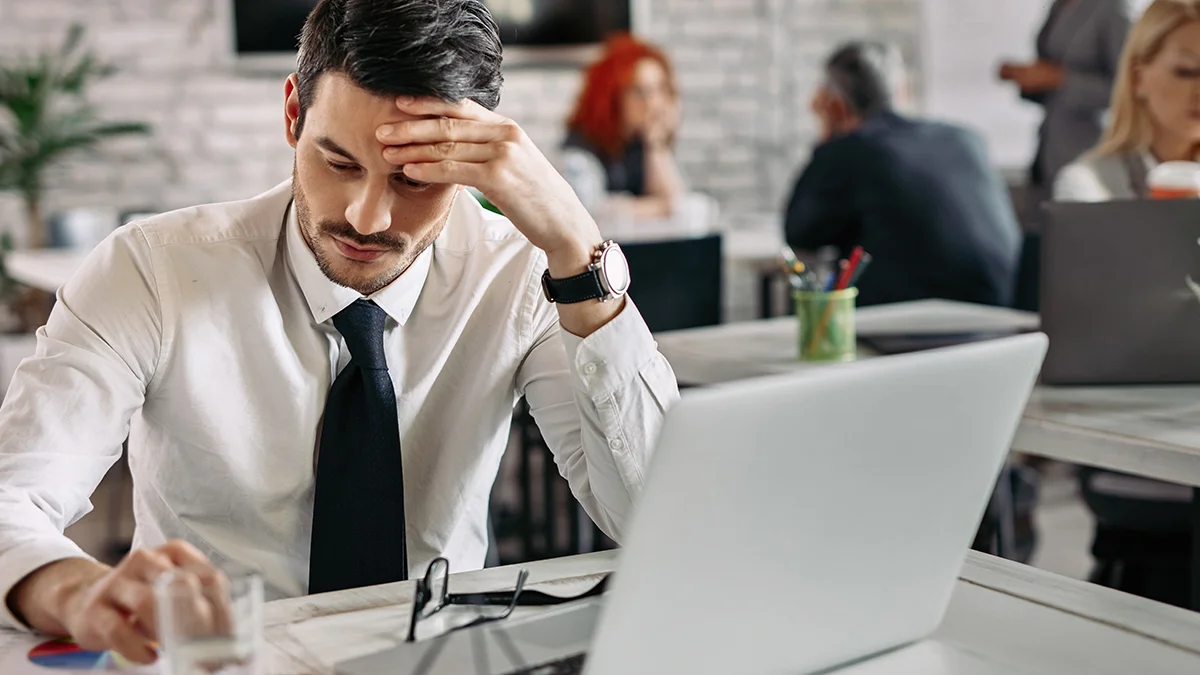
column 215, row 588
column 439, row 152
column 189, row 610
column 465, row 109
column 184, row 554
column 107, row 628
column 440, row 129
column 135, row 598
column 146, row 564
column 445, row 172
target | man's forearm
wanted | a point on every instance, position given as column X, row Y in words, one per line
column 39, row 600
column 580, row 318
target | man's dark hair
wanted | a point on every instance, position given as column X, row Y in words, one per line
column 447, row 49
column 865, row 75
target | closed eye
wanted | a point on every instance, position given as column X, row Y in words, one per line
column 402, row 178
column 340, row 167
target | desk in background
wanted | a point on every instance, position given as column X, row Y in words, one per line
column 1153, row 432
column 44, row 269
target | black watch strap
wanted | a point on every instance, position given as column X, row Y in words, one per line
column 578, row 288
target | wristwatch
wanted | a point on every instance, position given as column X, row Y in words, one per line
column 607, row 278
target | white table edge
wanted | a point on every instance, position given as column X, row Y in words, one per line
column 1169, row 626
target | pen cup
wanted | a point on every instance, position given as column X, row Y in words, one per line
column 827, row 331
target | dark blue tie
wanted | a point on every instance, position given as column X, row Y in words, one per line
column 358, row 510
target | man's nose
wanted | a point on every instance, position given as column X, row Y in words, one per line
column 371, row 212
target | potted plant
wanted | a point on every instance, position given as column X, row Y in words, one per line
column 44, row 116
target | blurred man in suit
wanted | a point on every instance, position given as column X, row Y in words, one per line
column 921, row 197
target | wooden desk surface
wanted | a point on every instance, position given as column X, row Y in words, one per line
column 1147, row 431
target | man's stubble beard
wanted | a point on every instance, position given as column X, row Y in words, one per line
column 311, row 232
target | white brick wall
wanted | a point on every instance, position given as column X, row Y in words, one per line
column 747, row 68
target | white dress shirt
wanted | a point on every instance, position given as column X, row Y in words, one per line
column 205, row 336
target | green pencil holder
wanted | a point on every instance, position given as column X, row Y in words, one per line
column 827, row 330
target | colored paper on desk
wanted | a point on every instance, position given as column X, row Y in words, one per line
column 25, row 654
column 66, row 655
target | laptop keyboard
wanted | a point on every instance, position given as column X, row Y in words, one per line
column 572, row 665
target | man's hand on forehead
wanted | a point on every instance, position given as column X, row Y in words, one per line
column 466, row 144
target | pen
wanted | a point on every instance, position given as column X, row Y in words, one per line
column 848, row 268
column 832, row 283
column 858, row 271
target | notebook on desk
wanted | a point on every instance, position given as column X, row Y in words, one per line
column 905, row 343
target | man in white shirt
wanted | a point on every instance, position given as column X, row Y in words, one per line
column 271, row 361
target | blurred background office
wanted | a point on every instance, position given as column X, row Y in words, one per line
column 1142, row 541
column 187, row 110
column 923, row 197
column 619, row 151
column 1155, row 109
column 1078, row 50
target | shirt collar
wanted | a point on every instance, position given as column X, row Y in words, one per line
column 325, row 298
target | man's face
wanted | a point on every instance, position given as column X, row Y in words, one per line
column 824, row 107
column 364, row 221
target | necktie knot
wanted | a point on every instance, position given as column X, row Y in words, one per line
column 361, row 326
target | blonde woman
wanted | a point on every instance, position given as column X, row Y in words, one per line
column 1078, row 56
column 1155, row 108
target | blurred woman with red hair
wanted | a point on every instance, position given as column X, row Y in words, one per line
column 617, row 154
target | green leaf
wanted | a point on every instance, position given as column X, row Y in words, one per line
column 72, row 41
column 44, row 116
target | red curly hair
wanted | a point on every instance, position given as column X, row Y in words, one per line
column 597, row 115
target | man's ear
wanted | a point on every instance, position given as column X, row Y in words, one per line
column 291, row 108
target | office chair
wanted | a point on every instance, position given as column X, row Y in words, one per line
column 1029, row 273
column 677, row 283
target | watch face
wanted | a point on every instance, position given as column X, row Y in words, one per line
column 616, row 270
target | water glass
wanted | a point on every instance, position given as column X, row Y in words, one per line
column 210, row 629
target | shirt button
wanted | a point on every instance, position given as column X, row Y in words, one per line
column 616, row 444
column 590, row 369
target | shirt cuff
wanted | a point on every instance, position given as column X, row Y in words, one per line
column 611, row 357
column 18, row 563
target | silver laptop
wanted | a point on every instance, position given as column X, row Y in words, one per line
column 1118, row 294
column 789, row 525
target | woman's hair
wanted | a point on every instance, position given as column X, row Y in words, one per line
column 1129, row 129
column 597, row 116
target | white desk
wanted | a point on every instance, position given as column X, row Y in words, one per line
column 1016, row 619
column 1020, row 620
column 44, row 269
column 1145, row 431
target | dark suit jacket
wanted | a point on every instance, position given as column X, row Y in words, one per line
column 923, row 200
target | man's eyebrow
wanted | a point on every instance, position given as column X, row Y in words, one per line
column 330, row 145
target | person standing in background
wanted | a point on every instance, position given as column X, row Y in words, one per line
column 920, row 196
column 1078, row 50
column 1155, row 109
column 1142, row 540
column 618, row 151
